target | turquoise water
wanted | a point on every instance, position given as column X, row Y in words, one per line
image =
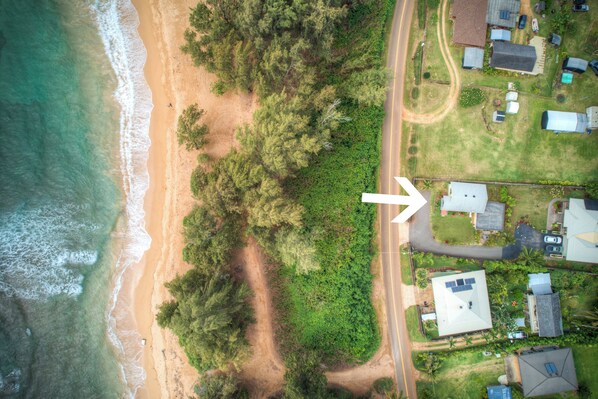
column 65, row 209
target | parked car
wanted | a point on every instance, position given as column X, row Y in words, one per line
column 554, row 248
column 522, row 21
column 535, row 26
column 552, row 240
column 594, row 65
column 581, row 8
column 517, row 335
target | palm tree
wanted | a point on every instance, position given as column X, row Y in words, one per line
column 468, row 340
column 530, row 257
column 589, row 318
column 487, row 337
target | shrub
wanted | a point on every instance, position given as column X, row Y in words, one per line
column 427, row 75
column 417, row 63
column 471, row 96
column 560, row 98
column 384, row 385
column 421, row 13
column 412, row 150
column 421, row 278
column 415, row 93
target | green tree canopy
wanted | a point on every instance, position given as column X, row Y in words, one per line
column 209, row 314
column 220, row 386
column 189, row 132
column 304, row 378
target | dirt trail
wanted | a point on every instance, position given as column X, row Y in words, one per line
column 455, row 79
column 263, row 373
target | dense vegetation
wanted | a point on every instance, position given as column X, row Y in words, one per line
column 294, row 184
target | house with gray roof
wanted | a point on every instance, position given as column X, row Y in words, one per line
column 581, row 226
column 503, row 13
column 473, row 58
column 465, row 197
column 513, row 57
column 547, row 371
column 461, row 302
column 493, row 217
column 500, row 34
column 548, row 311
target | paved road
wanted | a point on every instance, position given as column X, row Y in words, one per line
column 390, row 166
column 421, row 238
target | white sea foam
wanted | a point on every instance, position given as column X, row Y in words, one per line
column 117, row 22
column 40, row 255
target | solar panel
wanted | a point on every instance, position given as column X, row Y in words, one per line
column 470, row 281
column 460, row 281
column 504, row 14
column 550, row 368
column 450, row 284
column 461, row 288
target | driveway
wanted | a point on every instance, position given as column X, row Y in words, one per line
column 420, row 236
column 527, row 236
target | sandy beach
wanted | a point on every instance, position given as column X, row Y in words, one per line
column 175, row 84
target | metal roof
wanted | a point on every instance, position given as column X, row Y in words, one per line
column 559, row 121
column 465, row 197
column 473, row 57
column 575, row 64
column 516, row 57
column 462, row 310
column 503, row 13
column 493, row 218
column 499, row 392
column 581, row 222
column 539, row 283
column 547, row 372
column 548, row 309
column 500, row 34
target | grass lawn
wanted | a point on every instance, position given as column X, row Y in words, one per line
column 586, row 364
column 415, row 334
column 464, row 376
column 406, row 276
column 453, row 229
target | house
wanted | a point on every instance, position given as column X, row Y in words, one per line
column 461, row 302
column 473, row 58
column 465, row 197
column 575, row 65
column 581, row 227
column 498, row 116
column 469, row 18
column 548, row 371
column 499, row 392
column 500, row 34
column 493, row 217
column 544, row 306
column 564, row 122
column 513, row 57
column 503, row 13
column 512, row 107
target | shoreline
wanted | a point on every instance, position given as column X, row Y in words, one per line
column 175, row 83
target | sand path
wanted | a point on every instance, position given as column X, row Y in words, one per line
column 455, row 79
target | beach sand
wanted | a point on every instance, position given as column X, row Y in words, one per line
column 175, row 84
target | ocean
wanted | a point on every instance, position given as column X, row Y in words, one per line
column 74, row 140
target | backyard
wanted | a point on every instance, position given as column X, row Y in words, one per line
column 466, row 144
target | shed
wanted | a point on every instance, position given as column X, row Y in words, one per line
column 473, row 58
column 493, row 218
column 592, row 114
column 540, row 6
column 428, row 316
column 498, row 116
column 500, row 34
column 548, row 310
column 512, row 107
column 503, row 13
column 469, row 18
column 555, row 39
column 564, row 122
column 539, row 283
column 465, row 197
column 514, row 57
column 512, row 96
column 567, row 78
column 499, row 392
column 575, row 65
column 547, row 371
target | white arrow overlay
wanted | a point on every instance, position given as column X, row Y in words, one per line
column 415, row 200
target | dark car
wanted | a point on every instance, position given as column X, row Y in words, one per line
column 581, row 8
column 522, row 21
column 554, row 249
column 594, row 65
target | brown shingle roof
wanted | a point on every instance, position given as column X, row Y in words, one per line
column 469, row 18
